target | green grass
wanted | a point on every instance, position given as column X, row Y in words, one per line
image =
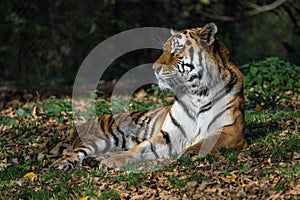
column 61, row 185
column 272, row 157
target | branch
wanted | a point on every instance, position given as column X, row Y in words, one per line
column 257, row 9
column 265, row 8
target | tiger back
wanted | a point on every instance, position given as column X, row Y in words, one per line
column 207, row 113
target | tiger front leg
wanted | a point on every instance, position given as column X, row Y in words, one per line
column 70, row 161
column 74, row 158
column 158, row 146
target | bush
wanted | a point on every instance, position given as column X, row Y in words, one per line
column 269, row 80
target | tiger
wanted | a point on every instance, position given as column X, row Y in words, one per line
column 207, row 113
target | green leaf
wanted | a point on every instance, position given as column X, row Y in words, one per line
column 275, row 82
column 259, row 79
column 253, row 71
column 21, row 112
column 8, row 121
column 93, row 28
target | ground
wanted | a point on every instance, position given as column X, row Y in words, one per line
column 30, row 121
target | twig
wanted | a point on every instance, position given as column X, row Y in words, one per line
column 257, row 9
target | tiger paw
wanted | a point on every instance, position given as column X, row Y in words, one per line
column 65, row 164
column 117, row 161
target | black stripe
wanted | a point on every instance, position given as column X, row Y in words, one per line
column 161, row 112
column 195, row 76
column 119, row 131
column 180, row 67
column 81, row 151
column 191, row 51
column 174, row 121
column 193, row 36
column 175, row 98
column 153, row 149
column 218, row 116
column 228, row 125
column 221, row 96
column 148, row 127
column 145, row 121
column 191, row 66
column 205, row 108
column 202, row 91
column 200, row 57
column 136, row 115
column 231, row 124
column 151, row 131
column 61, row 149
column 136, row 139
column 90, row 145
column 134, row 112
column 102, row 126
column 232, row 82
column 232, row 100
column 140, row 115
column 110, row 123
column 166, row 136
column 233, row 76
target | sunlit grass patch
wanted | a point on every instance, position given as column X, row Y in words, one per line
column 270, row 165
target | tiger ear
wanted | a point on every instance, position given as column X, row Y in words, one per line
column 173, row 32
column 208, row 33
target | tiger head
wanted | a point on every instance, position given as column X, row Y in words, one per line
column 189, row 62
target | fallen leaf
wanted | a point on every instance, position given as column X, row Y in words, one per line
column 258, row 108
column 30, row 175
column 230, row 177
column 296, row 155
column 202, row 185
column 84, row 198
column 243, row 185
column 283, row 133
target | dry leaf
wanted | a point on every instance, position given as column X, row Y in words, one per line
column 243, row 185
column 258, row 108
column 30, row 175
column 84, row 198
column 231, row 177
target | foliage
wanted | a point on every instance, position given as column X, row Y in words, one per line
column 269, row 168
column 46, row 41
column 269, row 81
column 272, row 74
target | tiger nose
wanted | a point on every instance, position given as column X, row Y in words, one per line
column 157, row 68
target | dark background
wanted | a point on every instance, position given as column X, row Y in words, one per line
column 44, row 42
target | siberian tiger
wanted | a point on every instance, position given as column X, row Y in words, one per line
column 207, row 112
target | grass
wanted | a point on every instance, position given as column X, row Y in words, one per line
column 270, row 166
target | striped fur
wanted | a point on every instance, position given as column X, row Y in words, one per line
column 206, row 115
